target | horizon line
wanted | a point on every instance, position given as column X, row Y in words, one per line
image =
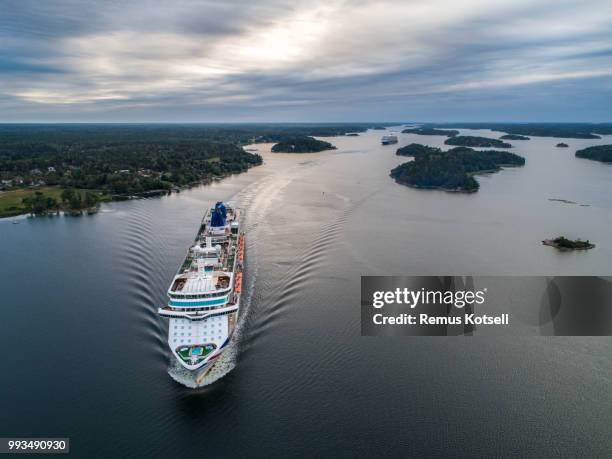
column 5, row 123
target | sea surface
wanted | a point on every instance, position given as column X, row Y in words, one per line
column 84, row 355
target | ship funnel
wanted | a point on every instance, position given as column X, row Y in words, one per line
column 218, row 215
column 221, row 207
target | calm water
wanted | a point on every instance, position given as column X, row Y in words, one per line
column 84, row 351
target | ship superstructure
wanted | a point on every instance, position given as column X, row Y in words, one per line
column 204, row 297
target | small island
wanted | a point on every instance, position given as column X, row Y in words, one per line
column 562, row 145
column 601, row 153
column 562, row 243
column 302, row 144
column 452, row 170
column 431, row 131
column 416, row 149
column 474, row 141
column 514, row 137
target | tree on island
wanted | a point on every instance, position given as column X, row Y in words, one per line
column 302, row 144
column 452, row 170
column 430, row 131
column 564, row 243
column 601, row 153
column 416, row 149
column 475, row 141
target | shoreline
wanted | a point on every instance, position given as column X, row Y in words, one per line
column 447, row 190
column 114, row 198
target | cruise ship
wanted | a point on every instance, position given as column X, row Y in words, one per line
column 204, row 297
column 388, row 139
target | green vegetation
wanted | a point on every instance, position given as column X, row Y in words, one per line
column 47, row 199
column 601, row 153
column 133, row 159
column 38, row 203
column 124, row 160
column 564, row 130
column 416, row 149
column 117, row 160
column 452, row 170
column 474, row 141
column 303, row 144
column 430, row 131
column 268, row 133
column 562, row 145
column 567, row 244
column 75, row 201
column 12, row 202
column 514, row 137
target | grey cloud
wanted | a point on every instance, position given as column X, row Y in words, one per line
column 270, row 60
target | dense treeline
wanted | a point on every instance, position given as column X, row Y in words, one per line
column 72, row 201
column 120, row 167
column 452, row 170
column 237, row 134
column 475, row 141
column 514, row 137
column 430, row 131
column 302, row 144
column 564, row 130
column 131, row 159
column 601, row 153
column 40, row 203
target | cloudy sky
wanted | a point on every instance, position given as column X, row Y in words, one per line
column 269, row 60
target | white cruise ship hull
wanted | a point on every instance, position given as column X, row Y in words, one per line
column 204, row 297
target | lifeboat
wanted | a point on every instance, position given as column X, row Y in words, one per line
column 238, row 283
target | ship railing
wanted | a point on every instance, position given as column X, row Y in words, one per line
column 197, row 315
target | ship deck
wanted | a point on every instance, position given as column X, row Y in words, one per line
column 192, row 278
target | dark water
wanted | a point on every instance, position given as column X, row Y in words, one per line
column 84, row 353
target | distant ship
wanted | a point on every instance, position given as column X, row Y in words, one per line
column 204, row 297
column 388, row 139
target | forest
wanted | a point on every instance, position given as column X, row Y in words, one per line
column 475, row 141
column 301, row 144
column 453, row 170
column 601, row 153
